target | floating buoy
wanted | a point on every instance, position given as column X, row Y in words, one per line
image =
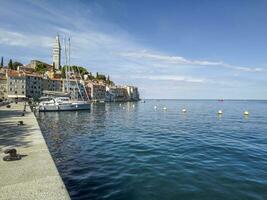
column 120, row 104
column 220, row 112
column 155, row 107
column 164, row 108
column 184, row 110
column 133, row 106
column 246, row 113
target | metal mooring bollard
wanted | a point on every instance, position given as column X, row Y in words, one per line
column 23, row 114
column 8, row 106
column 20, row 123
column 12, row 155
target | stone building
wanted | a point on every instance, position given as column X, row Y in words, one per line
column 75, row 88
column 16, row 84
column 57, row 53
column 53, row 84
column 116, row 93
column 133, row 93
column 97, row 91
column 34, row 85
column 3, row 84
column 34, row 63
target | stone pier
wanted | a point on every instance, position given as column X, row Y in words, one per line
column 35, row 176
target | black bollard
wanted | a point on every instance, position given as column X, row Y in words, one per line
column 20, row 123
column 12, row 155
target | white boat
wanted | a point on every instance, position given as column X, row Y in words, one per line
column 61, row 104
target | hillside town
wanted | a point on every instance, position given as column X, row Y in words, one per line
column 38, row 79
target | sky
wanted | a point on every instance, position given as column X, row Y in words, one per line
column 180, row 49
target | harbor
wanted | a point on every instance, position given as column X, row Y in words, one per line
column 34, row 175
column 133, row 100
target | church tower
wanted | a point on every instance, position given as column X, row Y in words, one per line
column 57, row 53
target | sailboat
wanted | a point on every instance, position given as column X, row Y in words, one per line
column 66, row 103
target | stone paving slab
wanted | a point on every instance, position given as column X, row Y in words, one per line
column 35, row 176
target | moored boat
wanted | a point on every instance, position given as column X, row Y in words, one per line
column 47, row 104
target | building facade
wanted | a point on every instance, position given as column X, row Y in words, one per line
column 16, row 84
column 132, row 93
column 116, row 93
column 97, row 91
column 75, row 88
column 3, row 84
column 34, row 86
column 53, row 84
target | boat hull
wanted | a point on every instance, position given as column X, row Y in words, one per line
column 64, row 107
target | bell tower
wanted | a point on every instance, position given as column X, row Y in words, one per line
column 57, row 53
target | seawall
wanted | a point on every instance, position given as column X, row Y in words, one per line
column 35, row 175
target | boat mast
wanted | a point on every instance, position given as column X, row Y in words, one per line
column 66, row 64
column 73, row 71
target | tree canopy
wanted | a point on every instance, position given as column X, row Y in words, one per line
column 41, row 68
column 16, row 64
column 10, row 64
column 2, row 62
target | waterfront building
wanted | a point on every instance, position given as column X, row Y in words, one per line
column 34, row 85
column 75, row 88
column 53, row 84
column 16, row 84
column 57, row 53
column 116, row 93
column 133, row 93
column 3, row 84
column 97, row 91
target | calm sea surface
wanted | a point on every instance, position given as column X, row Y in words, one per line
column 138, row 152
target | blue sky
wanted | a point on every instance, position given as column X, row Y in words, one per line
column 169, row 49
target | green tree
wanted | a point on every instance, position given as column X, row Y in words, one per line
column 109, row 82
column 80, row 69
column 101, row 77
column 40, row 68
column 10, row 65
column 2, row 62
column 16, row 64
column 90, row 76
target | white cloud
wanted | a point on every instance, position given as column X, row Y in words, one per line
column 13, row 38
column 178, row 60
column 170, row 78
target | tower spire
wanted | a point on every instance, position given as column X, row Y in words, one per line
column 57, row 53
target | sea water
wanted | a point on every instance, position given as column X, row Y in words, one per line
column 146, row 152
